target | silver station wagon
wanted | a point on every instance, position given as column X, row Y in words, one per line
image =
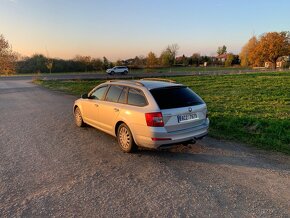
column 153, row 113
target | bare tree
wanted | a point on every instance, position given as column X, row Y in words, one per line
column 49, row 64
column 172, row 50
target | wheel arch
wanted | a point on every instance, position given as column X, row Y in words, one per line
column 121, row 122
column 117, row 126
column 75, row 106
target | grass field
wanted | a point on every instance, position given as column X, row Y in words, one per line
column 251, row 108
column 186, row 69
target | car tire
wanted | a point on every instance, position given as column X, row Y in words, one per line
column 125, row 72
column 112, row 73
column 78, row 118
column 125, row 139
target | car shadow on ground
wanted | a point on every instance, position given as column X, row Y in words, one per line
column 216, row 155
column 216, row 152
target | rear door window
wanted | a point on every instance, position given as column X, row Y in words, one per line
column 175, row 97
column 122, row 98
column 114, row 93
column 136, row 97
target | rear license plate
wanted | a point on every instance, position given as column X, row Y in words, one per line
column 186, row 117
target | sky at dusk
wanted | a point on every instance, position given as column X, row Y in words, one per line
column 120, row 29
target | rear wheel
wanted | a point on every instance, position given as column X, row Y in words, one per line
column 125, row 139
column 125, row 72
column 78, row 118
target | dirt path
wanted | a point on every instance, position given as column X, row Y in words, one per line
column 49, row 167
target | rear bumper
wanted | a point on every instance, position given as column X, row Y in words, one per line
column 177, row 137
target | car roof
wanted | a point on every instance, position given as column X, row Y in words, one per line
column 148, row 84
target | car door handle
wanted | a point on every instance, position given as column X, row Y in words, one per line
column 116, row 109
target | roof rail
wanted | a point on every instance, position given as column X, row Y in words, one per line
column 130, row 81
column 159, row 79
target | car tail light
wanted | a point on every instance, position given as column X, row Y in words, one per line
column 154, row 119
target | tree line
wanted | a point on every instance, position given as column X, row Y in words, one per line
column 38, row 63
column 269, row 47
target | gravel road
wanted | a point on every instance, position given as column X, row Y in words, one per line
column 49, row 167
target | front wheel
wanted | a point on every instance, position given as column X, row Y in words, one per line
column 78, row 118
column 125, row 139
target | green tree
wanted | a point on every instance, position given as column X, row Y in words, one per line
column 166, row 58
column 119, row 63
column 97, row 64
column 85, row 60
column 222, row 50
column 7, row 57
column 195, row 59
column 39, row 63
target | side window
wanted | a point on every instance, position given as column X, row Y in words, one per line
column 99, row 93
column 114, row 93
column 136, row 97
column 122, row 98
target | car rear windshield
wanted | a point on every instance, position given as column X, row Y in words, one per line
column 175, row 97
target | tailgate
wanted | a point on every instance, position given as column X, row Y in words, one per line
column 178, row 119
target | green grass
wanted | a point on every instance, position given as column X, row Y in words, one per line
column 186, row 69
column 75, row 87
column 251, row 108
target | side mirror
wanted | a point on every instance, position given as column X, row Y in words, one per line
column 84, row 96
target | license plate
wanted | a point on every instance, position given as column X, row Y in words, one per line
column 186, row 117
